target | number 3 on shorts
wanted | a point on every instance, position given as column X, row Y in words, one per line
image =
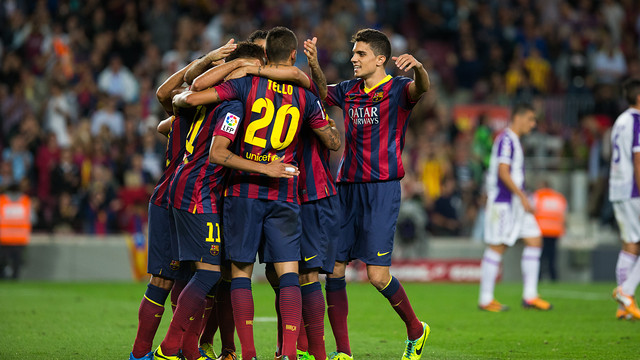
column 211, row 238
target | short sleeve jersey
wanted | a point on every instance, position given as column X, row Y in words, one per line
column 274, row 114
column 625, row 141
column 197, row 185
column 375, row 125
column 506, row 149
column 173, row 155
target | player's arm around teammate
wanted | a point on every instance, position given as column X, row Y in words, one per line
column 213, row 58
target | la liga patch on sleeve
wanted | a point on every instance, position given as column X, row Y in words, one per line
column 230, row 123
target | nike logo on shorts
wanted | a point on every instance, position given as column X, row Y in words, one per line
column 309, row 258
column 383, row 254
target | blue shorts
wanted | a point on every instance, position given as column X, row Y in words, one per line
column 273, row 227
column 320, row 234
column 163, row 258
column 369, row 212
column 199, row 236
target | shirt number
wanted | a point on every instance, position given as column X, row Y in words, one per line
column 211, row 231
column 278, row 124
column 195, row 128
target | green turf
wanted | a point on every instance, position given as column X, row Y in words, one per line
column 98, row 321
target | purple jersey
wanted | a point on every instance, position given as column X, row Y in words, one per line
column 375, row 125
column 175, row 151
column 274, row 114
column 198, row 184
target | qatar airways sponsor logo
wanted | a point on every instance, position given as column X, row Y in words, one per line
column 364, row 116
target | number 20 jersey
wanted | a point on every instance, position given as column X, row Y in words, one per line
column 274, row 113
column 625, row 141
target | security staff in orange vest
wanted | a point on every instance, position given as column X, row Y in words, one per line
column 550, row 211
column 15, row 229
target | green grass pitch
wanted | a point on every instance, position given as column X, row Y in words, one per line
column 98, row 321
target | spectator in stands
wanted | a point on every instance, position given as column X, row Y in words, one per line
column 116, row 80
column 21, row 160
column 60, row 113
column 444, row 220
column 108, row 117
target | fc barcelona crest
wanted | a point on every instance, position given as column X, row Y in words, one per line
column 215, row 250
column 378, row 96
column 174, row 265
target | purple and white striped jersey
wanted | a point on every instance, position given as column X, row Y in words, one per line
column 625, row 141
column 506, row 150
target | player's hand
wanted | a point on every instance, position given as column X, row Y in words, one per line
column 222, row 52
column 311, row 51
column 526, row 204
column 406, row 62
column 278, row 169
column 332, row 123
column 237, row 73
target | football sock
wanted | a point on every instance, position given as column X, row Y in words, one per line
column 312, row 330
column 490, row 267
column 394, row 292
column 303, row 341
column 624, row 265
column 149, row 316
column 224, row 312
column 190, row 308
column 210, row 319
column 291, row 312
column 177, row 288
column 242, row 302
column 530, row 264
column 191, row 335
column 337, row 310
column 633, row 278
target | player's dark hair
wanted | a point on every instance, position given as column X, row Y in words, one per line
column 257, row 35
column 280, row 43
column 377, row 40
column 521, row 108
column 631, row 90
column 247, row 50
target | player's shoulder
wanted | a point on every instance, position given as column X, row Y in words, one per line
column 348, row 85
column 229, row 106
column 401, row 79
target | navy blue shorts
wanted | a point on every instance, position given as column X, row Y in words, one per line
column 320, row 234
column 369, row 212
column 199, row 236
column 163, row 257
column 273, row 227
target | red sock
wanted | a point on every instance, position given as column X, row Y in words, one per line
column 291, row 311
column 224, row 312
column 313, row 315
column 303, row 342
column 242, row 302
column 398, row 299
column 190, row 307
column 177, row 288
column 338, row 309
column 190, row 337
column 149, row 316
column 210, row 321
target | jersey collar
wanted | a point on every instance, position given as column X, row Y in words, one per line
column 386, row 78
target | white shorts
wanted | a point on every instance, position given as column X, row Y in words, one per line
column 505, row 223
column 628, row 216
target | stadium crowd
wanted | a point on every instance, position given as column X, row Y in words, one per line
column 78, row 109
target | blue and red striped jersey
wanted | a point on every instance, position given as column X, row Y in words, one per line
column 375, row 126
column 174, row 153
column 274, row 114
column 197, row 185
column 315, row 181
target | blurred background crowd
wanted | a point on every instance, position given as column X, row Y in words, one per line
column 78, row 109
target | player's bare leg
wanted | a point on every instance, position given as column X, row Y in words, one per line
column 628, row 277
column 490, row 268
column 312, row 314
column 242, row 302
column 338, row 307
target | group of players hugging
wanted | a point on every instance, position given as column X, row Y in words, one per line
column 247, row 172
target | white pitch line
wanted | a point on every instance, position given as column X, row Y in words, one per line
column 578, row 295
column 265, row 319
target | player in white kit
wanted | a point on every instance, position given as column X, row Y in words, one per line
column 509, row 215
column 624, row 181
